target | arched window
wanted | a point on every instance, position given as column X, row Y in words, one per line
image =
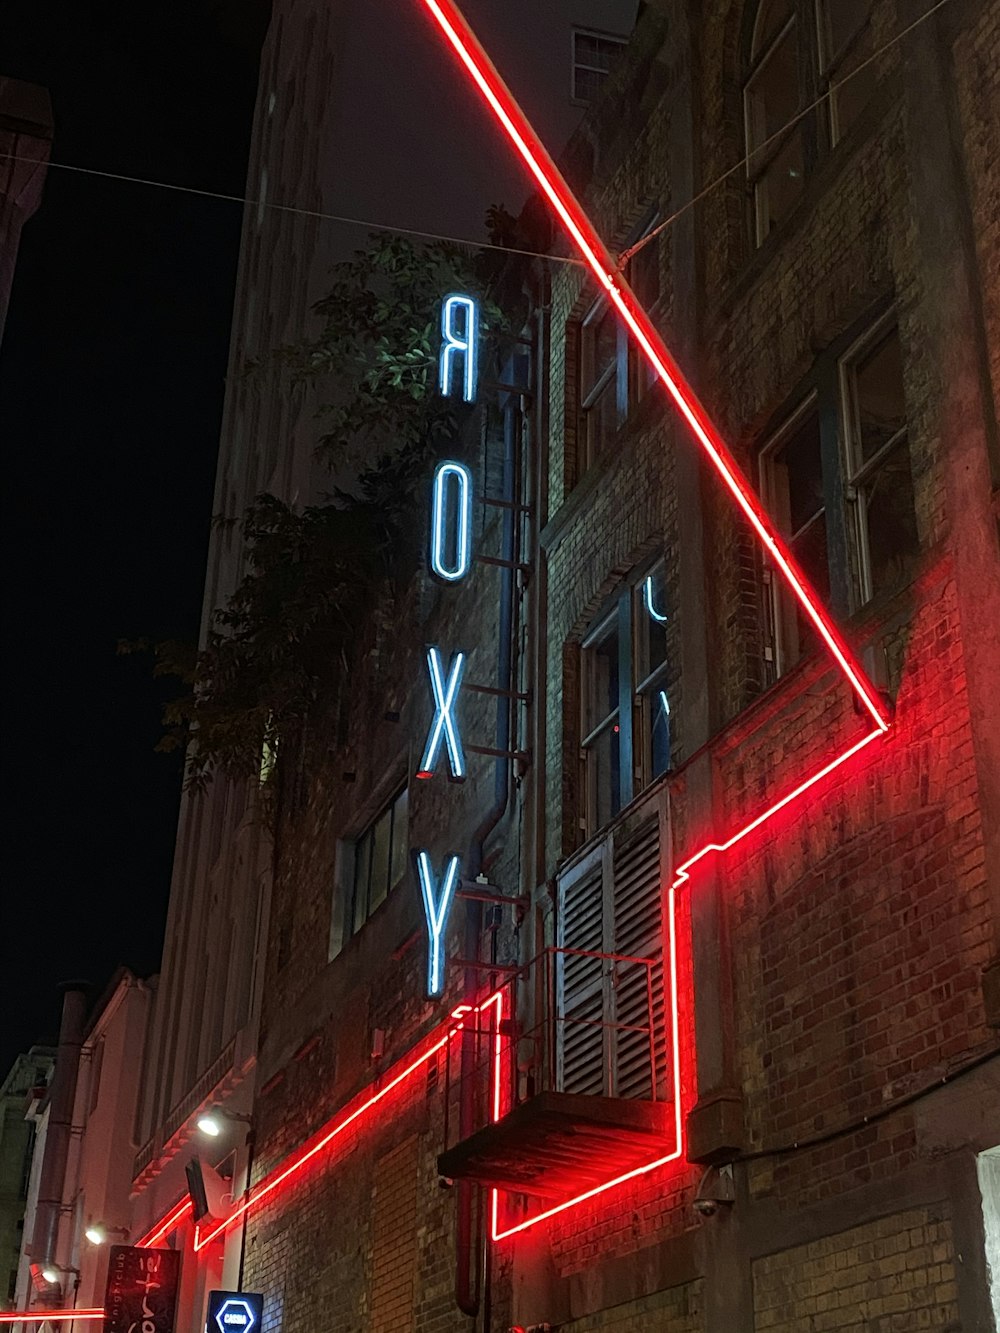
column 799, row 50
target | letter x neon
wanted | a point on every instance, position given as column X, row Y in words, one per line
column 445, row 726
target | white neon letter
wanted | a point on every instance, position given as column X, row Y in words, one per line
column 462, row 342
column 647, row 597
column 444, row 727
column 437, row 906
column 462, row 559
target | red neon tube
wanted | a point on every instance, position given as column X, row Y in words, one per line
column 166, row 1224
column 330, row 1132
column 599, row 259
column 39, row 1316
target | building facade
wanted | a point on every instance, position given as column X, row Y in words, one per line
column 25, row 140
column 694, row 1061
column 604, row 968
column 19, row 1092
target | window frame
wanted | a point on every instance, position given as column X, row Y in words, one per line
column 635, row 767
column 352, row 923
column 575, row 64
column 628, row 369
column 827, row 392
column 817, row 120
column 858, row 472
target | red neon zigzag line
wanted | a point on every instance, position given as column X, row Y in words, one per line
column 336, row 1126
column 333, row 1128
column 166, row 1223
column 597, row 256
column 504, row 106
column 601, row 262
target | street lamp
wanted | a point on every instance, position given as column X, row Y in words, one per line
column 97, row 1233
column 210, row 1122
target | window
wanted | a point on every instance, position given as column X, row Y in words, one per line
column 624, row 700
column 613, row 374
column 599, row 359
column 879, row 481
column 836, row 476
column 772, row 97
column 379, row 861
column 593, row 53
column 844, row 45
column 789, row 39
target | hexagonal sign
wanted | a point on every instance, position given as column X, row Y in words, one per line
column 234, row 1312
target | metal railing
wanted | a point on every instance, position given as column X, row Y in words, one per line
column 521, row 1037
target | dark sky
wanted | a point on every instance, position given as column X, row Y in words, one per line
column 111, row 383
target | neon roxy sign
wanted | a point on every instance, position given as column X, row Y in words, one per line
column 449, row 560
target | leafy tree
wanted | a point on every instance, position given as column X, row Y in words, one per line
column 282, row 645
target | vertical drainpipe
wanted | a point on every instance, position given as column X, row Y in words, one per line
column 62, row 1093
column 467, row 1287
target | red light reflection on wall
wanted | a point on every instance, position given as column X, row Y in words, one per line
column 169, row 1222
column 40, row 1316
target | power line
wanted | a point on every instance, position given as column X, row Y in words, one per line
column 623, row 258
column 288, row 208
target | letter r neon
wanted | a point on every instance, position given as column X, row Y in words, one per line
column 459, row 342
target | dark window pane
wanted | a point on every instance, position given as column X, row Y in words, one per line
column 842, row 19
column 651, row 625
column 891, row 520
column 600, row 349
column 773, row 91
column 601, row 679
column 659, row 728
column 400, row 838
column 587, row 84
column 800, row 464
column 880, row 409
column 601, row 421
column 605, row 775
column 809, row 549
column 779, row 186
column 380, row 861
column 362, row 865
column 771, row 17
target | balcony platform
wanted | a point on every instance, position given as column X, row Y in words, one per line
column 556, row 1145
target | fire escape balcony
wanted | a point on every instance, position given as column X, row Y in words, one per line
column 564, row 1082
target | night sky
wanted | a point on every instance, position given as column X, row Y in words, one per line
column 111, row 384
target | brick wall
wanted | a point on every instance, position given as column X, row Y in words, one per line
column 894, row 1274
column 676, row 1310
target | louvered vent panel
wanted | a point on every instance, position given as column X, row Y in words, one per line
column 580, row 1035
column 638, row 933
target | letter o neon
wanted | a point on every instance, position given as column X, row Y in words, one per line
column 450, row 561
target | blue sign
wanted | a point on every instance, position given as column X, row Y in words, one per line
column 234, row 1312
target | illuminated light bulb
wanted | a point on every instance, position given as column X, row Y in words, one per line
column 50, row 1274
column 209, row 1124
column 96, row 1234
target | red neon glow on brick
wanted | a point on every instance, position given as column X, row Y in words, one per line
column 599, row 259
column 499, row 1232
column 166, row 1224
column 683, row 870
column 39, row 1316
column 325, row 1137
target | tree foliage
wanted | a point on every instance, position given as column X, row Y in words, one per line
column 283, row 642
